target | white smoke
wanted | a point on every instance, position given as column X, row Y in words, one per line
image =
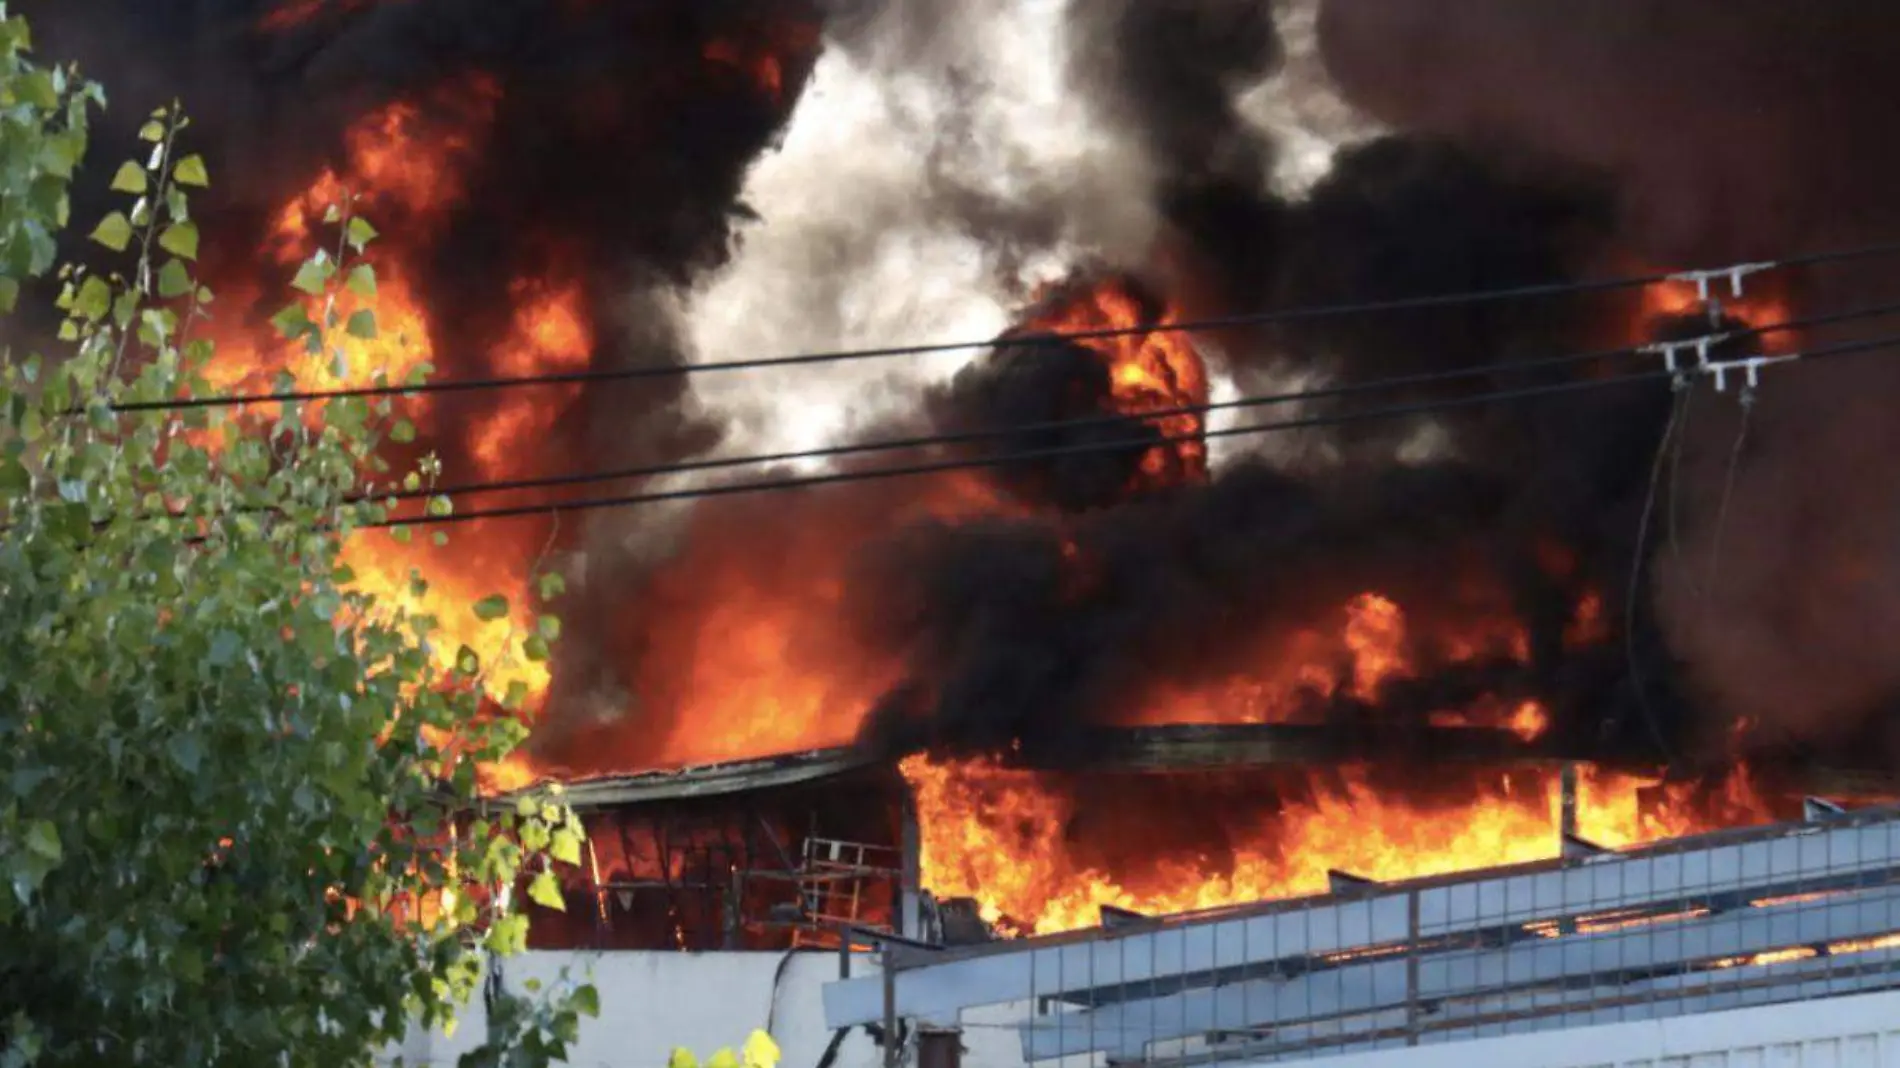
column 938, row 167
column 889, row 217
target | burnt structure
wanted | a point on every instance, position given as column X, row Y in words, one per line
column 820, row 850
column 781, row 853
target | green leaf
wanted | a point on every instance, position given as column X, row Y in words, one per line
column 9, row 295
column 114, row 231
column 130, row 179
column 587, row 1000
column 508, row 934
column 225, row 646
column 362, row 325
column 491, row 608
column 362, row 281
column 42, row 840
column 94, row 299
column 181, row 240
column 152, row 132
column 37, row 88
column 314, row 276
column 549, row 627
column 565, row 846
column 360, row 233
column 513, row 698
column 402, row 432
column 174, row 279
column 191, row 171
column 545, row 890
column 187, row 752
column 293, row 322
column 551, row 585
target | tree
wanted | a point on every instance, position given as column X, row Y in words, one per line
column 239, row 814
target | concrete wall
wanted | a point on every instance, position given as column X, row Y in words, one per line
column 1844, row 1032
column 652, row 1002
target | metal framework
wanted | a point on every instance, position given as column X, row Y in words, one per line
column 767, row 854
column 1716, row 921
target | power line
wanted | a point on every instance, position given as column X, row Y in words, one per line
column 938, row 467
column 1105, row 421
column 1004, row 459
column 1283, row 315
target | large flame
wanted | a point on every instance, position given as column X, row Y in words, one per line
column 744, row 656
column 1368, row 644
column 749, row 655
column 1015, row 840
column 399, row 167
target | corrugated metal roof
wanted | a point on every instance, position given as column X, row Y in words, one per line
column 712, row 780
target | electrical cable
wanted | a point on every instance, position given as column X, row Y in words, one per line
column 1003, row 459
column 1103, row 421
column 831, row 478
column 1010, row 341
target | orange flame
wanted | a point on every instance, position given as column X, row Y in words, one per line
column 1148, row 372
column 401, row 163
column 1370, row 647
column 552, row 334
column 1004, row 838
column 1759, row 306
column 1529, row 721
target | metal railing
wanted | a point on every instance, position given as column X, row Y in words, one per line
column 1718, row 921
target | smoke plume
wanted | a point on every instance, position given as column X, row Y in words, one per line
column 1728, row 132
column 607, row 185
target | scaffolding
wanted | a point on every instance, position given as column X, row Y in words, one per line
column 837, row 881
column 770, row 854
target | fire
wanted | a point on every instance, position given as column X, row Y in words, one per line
column 765, row 69
column 552, row 334
column 400, row 163
column 1148, row 372
column 764, row 54
column 291, row 14
column 1368, row 644
column 1013, row 840
column 1375, row 635
column 1529, row 721
column 748, row 656
column 385, row 568
column 398, row 167
column 1759, row 306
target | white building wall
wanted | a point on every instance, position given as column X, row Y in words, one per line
column 652, row 1002
column 1845, row 1032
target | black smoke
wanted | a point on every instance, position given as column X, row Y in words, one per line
column 1525, row 145
column 1037, row 628
column 1730, row 132
column 1735, row 563
column 1055, row 398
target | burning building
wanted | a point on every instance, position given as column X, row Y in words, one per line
column 1151, row 668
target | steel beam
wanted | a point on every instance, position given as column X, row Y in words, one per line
column 1607, row 959
column 1198, row 949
